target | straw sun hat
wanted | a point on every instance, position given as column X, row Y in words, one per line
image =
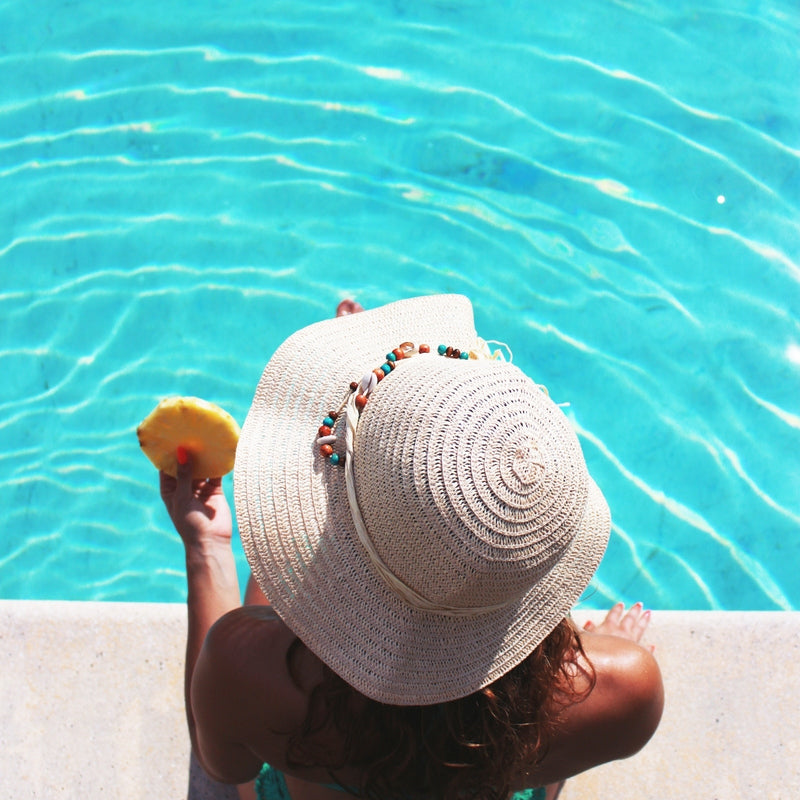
column 456, row 530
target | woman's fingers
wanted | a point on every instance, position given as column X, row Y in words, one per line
column 183, row 491
column 167, row 485
column 630, row 619
column 630, row 624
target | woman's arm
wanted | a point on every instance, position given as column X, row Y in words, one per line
column 202, row 517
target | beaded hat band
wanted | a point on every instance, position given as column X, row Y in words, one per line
column 360, row 391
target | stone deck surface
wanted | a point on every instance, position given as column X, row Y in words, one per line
column 91, row 706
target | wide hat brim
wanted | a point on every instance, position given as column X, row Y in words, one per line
column 300, row 541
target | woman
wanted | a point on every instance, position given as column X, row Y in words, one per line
column 421, row 534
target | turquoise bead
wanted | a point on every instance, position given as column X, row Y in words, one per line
column 386, row 368
column 391, row 357
column 464, row 354
column 334, row 459
column 328, row 421
column 442, row 349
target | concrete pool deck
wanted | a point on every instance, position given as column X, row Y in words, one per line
column 91, row 705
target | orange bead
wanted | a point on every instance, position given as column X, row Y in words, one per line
column 424, row 348
column 379, row 374
column 398, row 353
column 361, row 401
column 326, row 450
column 324, row 430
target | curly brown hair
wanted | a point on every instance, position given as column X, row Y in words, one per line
column 465, row 749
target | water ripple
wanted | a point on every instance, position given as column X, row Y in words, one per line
column 695, row 520
column 660, row 91
column 627, row 224
column 787, row 417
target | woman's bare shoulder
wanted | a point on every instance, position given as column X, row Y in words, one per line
column 246, row 621
column 628, row 696
column 617, row 716
column 620, row 713
column 243, row 697
column 244, row 635
column 248, row 649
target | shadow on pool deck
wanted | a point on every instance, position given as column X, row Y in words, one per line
column 91, row 698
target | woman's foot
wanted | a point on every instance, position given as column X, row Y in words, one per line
column 348, row 307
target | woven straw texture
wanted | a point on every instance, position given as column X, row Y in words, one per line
column 471, row 484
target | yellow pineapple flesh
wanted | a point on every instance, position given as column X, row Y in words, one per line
column 208, row 433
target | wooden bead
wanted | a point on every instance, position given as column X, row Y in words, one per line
column 361, row 401
column 424, row 348
column 353, row 386
column 326, row 450
column 448, row 351
column 456, row 353
column 324, row 430
column 398, row 353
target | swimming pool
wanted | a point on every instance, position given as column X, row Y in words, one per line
column 614, row 185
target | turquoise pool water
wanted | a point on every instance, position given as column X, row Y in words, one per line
column 614, row 184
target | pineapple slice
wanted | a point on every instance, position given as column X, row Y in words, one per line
column 208, row 434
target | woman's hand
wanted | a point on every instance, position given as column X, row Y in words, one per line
column 198, row 509
column 627, row 625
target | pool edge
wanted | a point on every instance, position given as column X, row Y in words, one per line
column 92, row 703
